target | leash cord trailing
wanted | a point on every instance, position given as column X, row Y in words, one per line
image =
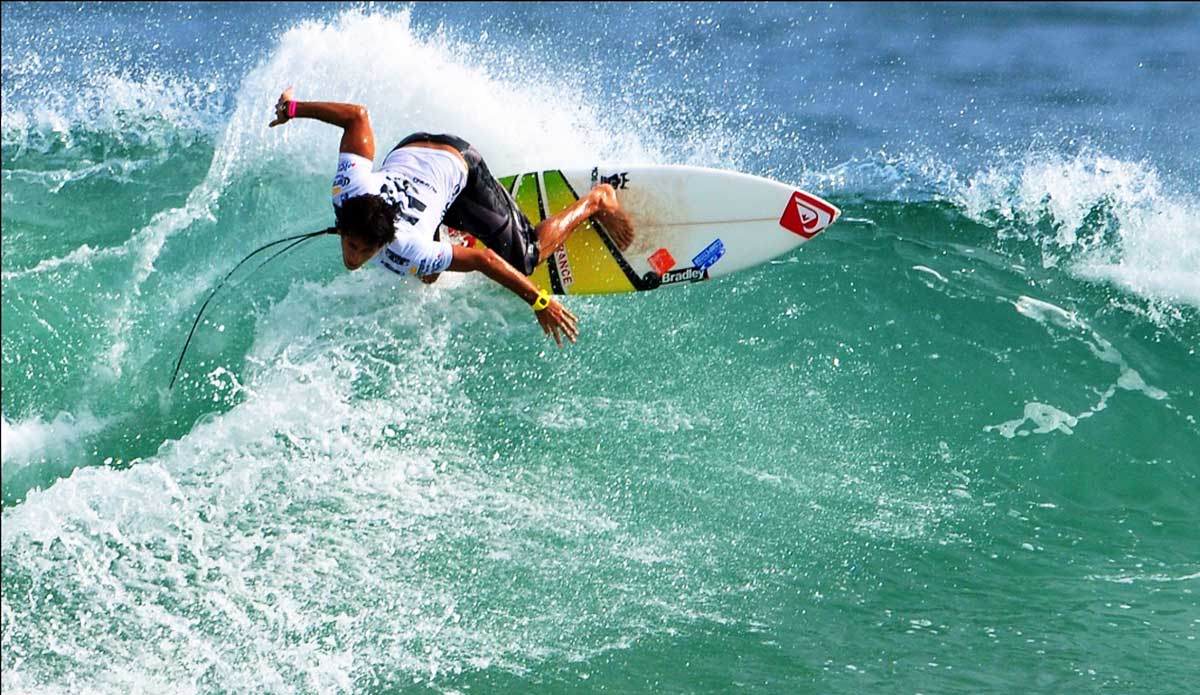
column 296, row 241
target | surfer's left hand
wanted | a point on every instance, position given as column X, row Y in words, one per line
column 557, row 321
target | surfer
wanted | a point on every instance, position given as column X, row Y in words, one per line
column 427, row 180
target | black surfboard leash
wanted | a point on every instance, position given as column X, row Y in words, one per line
column 296, row 241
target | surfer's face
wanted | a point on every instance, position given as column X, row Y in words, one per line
column 357, row 250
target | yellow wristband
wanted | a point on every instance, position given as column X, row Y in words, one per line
column 542, row 301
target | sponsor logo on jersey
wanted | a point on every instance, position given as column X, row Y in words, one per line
column 423, row 182
column 426, row 266
column 395, row 257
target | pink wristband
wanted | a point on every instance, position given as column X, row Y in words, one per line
column 292, row 109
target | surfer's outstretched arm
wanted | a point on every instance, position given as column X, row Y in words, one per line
column 357, row 136
column 554, row 318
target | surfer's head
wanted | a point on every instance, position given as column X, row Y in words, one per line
column 366, row 224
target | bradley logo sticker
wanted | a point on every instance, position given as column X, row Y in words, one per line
column 807, row 215
column 692, row 274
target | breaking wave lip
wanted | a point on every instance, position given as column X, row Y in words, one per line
column 38, row 450
column 1106, row 219
column 112, row 111
column 25, row 440
column 1099, row 218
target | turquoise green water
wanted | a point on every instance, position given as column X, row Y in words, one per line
column 948, row 446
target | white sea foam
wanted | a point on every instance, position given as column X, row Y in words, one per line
column 1046, row 419
column 154, row 109
column 1143, row 577
column 341, row 522
column 519, row 115
column 1096, row 216
column 25, row 441
column 1060, row 322
column 930, row 271
column 1108, row 219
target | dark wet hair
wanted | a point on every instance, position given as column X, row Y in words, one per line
column 367, row 217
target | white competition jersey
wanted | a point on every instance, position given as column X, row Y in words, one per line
column 422, row 183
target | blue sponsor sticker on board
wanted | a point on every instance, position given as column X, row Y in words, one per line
column 710, row 255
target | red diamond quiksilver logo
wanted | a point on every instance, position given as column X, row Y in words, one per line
column 807, row 215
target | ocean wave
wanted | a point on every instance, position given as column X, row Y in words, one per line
column 326, row 511
column 1097, row 217
column 1103, row 218
column 109, row 116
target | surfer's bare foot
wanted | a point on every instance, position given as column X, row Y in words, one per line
column 612, row 216
column 600, row 202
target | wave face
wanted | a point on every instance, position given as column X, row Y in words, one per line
column 949, row 446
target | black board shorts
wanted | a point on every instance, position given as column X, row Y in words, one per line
column 485, row 210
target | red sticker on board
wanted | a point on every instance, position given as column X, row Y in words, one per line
column 807, row 215
column 661, row 261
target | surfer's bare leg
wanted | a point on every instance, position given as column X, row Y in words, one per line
column 600, row 202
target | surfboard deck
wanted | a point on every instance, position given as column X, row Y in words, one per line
column 691, row 224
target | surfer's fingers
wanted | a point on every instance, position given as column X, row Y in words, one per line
column 559, row 329
column 565, row 317
column 569, row 330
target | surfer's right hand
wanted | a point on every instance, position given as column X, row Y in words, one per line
column 557, row 321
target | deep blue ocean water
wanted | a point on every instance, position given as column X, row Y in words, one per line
column 949, row 446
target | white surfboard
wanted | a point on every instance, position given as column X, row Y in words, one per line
column 691, row 224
